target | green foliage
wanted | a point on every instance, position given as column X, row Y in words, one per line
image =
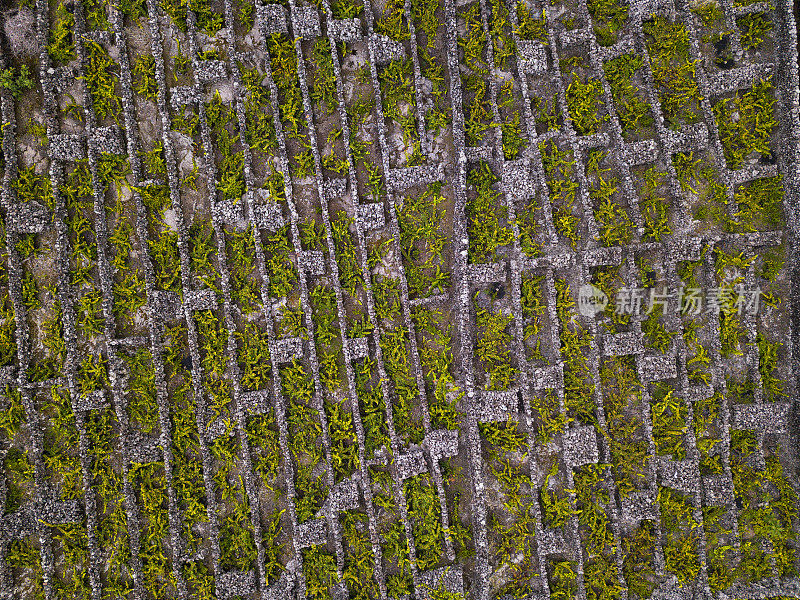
column 760, row 204
column 673, row 72
column 260, row 129
column 310, row 491
column 616, row 225
column 506, row 436
column 754, row 27
column 349, row 270
column 513, row 141
column 633, row 112
column 424, row 12
column 92, row 375
column 344, row 445
column 144, row 77
column 709, row 12
column 245, row 290
column 392, row 23
column 624, row 432
column 61, row 46
column 767, row 363
column 395, row 357
column 166, row 262
column 560, row 174
column 656, row 334
column 424, row 512
column 436, row 359
column 563, row 579
column 637, row 567
column 578, row 390
column 669, row 422
column 609, row 17
column 680, row 531
column 283, row 61
column 752, row 128
column 262, row 434
column 323, row 80
column 485, row 213
column 282, row 272
column 319, row 568
column 372, row 405
column 142, row 405
column 530, row 28
column 585, row 104
column 503, row 45
column 653, row 206
column 237, row 545
column 422, row 240
column 556, row 507
column 31, row 187
column 101, row 75
column 296, row 383
column 493, row 348
column 254, row 357
column 17, row 83
column 399, row 100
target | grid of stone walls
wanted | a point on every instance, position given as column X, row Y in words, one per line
column 156, row 398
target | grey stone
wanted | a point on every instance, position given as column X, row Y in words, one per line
column 450, row 577
column 517, row 179
column 287, row 349
column 269, row 216
column 183, row 95
column 200, row 299
column 487, row 272
column 441, row 443
column 165, row 305
column 305, row 22
column 67, row 146
column 29, row 217
column 255, row 402
column 93, row 401
column 385, row 49
column 718, row 490
column 344, row 495
column 492, row 406
column 410, row 464
column 311, row 533
column 552, row 541
column 20, row 29
column 620, row 344
column 272, row 18
column 680, row 475
column 227, row 211
column 107, row 139
column 345, row 30
column 546, row 378
column 658, row 367
column 602, row 256
column 772, row 417
column 532, row 56
column 639, row 506
column 400, row 179
column 358, row 347
column 311, row 262
column 210, row 71
column 580, row 446
column 235, row 583
column 371, row 216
